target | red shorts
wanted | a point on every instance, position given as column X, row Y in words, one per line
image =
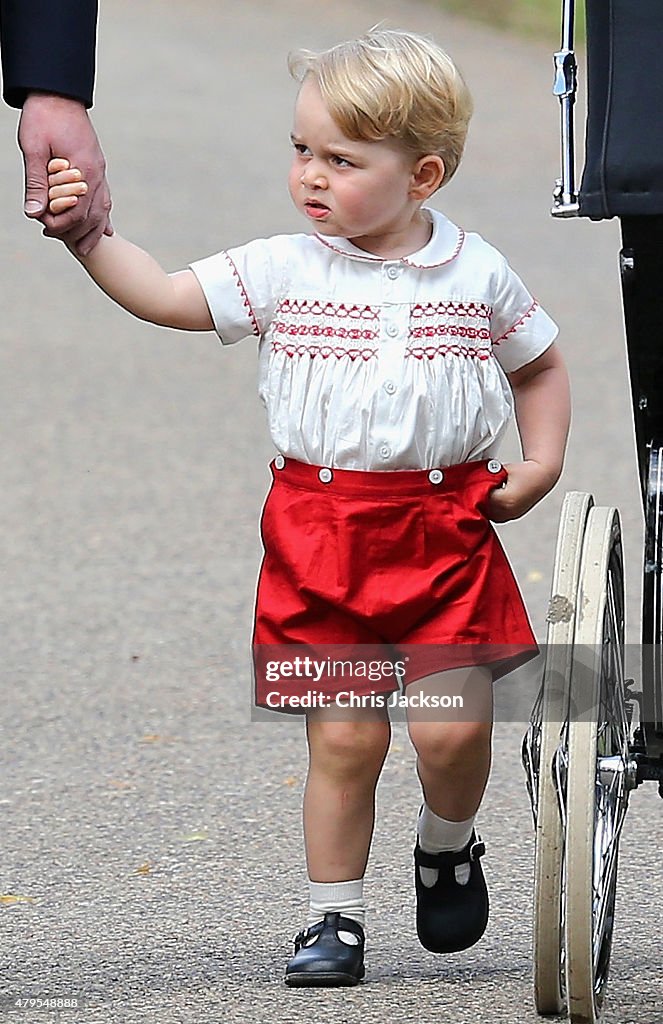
column 369, row 564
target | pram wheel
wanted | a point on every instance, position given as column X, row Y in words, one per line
column 598, row 768
column 542, row 760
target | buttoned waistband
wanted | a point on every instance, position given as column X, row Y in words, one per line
column 385, row 482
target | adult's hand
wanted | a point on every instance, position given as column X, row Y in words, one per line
column 56, row 126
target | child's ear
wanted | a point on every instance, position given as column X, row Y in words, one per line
column 427, row 176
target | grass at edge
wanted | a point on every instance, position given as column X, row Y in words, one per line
column 542, row 18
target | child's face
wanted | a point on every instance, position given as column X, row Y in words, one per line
column 355, row 190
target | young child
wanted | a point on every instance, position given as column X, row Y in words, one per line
column 392, row 350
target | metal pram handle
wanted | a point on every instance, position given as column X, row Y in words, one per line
column 565, row 196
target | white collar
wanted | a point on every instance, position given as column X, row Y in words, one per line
column 443, row 246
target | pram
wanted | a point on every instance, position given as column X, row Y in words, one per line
column 594, row 735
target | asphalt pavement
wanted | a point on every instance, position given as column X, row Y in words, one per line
column 151, row 830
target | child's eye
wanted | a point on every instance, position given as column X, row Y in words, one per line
column 341, row 161
column 301, row 149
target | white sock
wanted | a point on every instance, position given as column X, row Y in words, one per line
column 346, row 898
column 437, row 835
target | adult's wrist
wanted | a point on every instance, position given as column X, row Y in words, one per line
column 57, row 98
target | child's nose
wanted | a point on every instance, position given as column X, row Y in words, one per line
column 313, row 176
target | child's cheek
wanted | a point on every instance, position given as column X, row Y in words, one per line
column 357, row 203
column 294, row 182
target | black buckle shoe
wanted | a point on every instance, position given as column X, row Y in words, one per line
column 450, row 916
column 322, row 958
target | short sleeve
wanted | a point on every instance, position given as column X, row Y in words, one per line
column 520, row 329
column 241, row 287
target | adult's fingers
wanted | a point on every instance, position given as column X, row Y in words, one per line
column 35, row 158
column 82, row 235
column 57, row 126
column 64, row 223
column 98, row 221
column 74, row 225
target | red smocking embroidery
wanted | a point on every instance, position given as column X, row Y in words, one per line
column 517, row 324
column 440, row 320
column 247, row 301
column 474, row 310
column 321, row 331
column 430, row 351
column 323, row 350
column 296, row 319
column 452, row 331
column 313, row 307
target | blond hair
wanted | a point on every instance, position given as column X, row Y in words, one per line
column 393, row 84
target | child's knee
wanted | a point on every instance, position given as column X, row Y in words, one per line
column 354, row 748
column 450, row 744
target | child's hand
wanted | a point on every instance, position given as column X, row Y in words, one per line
column 65, row 185
column 527, row 483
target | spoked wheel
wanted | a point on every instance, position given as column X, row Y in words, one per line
column 598, row 768
column 652, row 596
column 539, row 751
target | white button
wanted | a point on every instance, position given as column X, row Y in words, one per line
column 436, row 476
column 384, row 451
column 389, row 387
column 494, row 466
column 392, row 330
column 393, row 272
column 279, row 462
column 326, row 476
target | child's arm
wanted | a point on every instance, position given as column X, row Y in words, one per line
column 128, row 274
column 543, row 414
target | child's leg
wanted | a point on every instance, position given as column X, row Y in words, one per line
column 453, row 755
column 345, row 760
column 453, row 763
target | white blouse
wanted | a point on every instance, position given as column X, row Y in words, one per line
column 374, row 364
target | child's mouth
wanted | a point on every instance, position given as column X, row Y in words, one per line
column 316, row 210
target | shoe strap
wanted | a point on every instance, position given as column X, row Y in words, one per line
column 330, row 920
column 345, row 924
column 307, row 933
column 450, row 858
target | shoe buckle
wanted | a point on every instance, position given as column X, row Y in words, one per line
column 302, row 937
column 477, row 849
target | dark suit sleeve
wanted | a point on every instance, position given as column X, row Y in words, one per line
column 48, row 45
